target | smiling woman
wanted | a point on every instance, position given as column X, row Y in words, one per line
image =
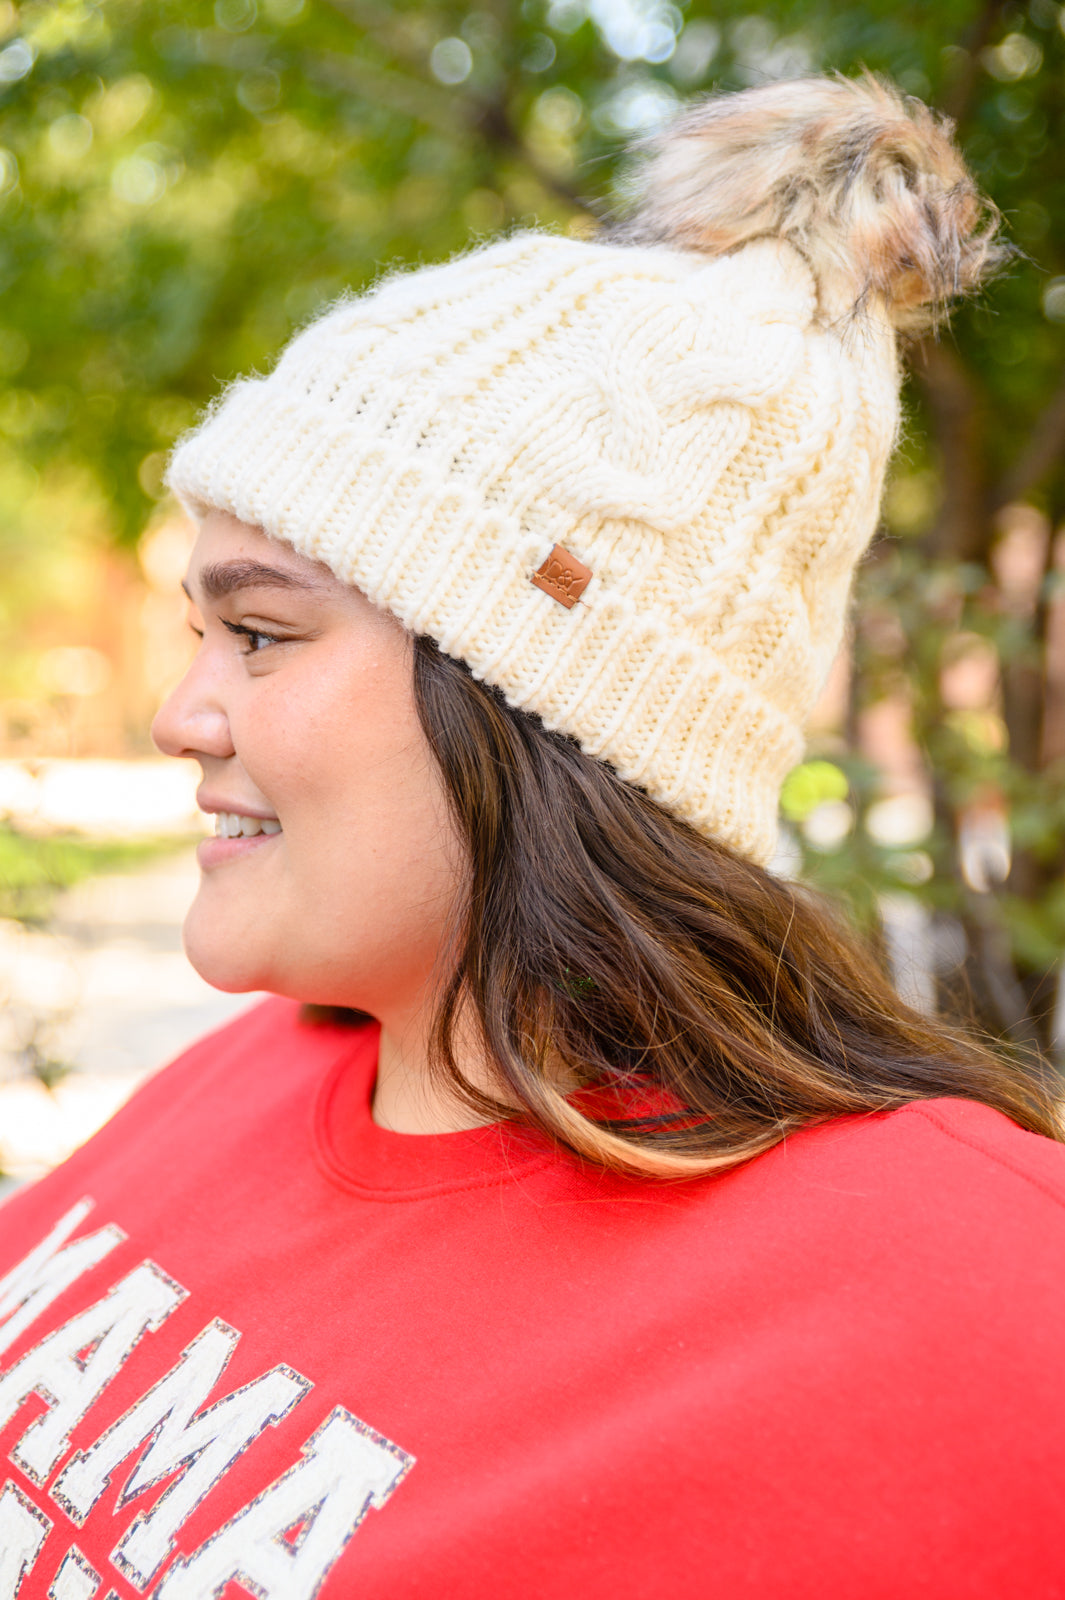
column 585, row 1213
column 300, row 709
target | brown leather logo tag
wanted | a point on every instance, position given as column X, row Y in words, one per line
column 563, row 577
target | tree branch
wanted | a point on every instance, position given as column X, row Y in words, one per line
column 440, row 109
column 1044, row 450
column 963, row 525
column 421, row 101
column 424, row 100
column 958, row 93
column 379, row 21
column 496, row 123
column 990, row 944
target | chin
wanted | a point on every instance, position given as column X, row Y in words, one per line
column 230, row 977
column 222, row 963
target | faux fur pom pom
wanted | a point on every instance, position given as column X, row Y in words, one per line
column 869, row 186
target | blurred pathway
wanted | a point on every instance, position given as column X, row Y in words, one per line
column 108, row 990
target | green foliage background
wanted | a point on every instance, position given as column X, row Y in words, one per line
column 183, row 184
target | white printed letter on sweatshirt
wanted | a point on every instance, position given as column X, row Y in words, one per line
column 347, row 1468
column 76, row 1579
column 23, row 1530
column 200, row 1446
column 71, row 1367
column 35, row 1282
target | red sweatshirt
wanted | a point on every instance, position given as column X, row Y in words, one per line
column 252, row 1344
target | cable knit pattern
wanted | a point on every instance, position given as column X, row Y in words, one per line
column 687, row 427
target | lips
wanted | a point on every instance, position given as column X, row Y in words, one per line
column 237, row 834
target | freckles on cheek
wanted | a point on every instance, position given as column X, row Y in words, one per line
column 285, row 725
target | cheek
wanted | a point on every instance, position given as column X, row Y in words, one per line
column 362, row 778
column 371, row 869
column 341, row 745
column 372, row 829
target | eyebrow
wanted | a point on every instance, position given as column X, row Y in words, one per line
column 221, row 578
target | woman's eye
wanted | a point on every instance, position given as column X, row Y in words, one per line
column 255, row 639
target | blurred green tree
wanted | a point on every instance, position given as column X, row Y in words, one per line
column 183, row 184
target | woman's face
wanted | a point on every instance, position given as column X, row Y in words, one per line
column 299, row 707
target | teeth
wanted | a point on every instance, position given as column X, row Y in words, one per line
column 232, row 825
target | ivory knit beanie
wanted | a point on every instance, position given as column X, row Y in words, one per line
column 627, row 480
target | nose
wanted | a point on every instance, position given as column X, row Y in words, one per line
column 192, row 720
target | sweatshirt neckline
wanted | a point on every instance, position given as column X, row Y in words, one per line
column 360, row 1157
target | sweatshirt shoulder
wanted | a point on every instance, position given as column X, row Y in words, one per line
column 271, row 1019
column 268, row 1028
column 944, row 1153
column 977, row 1135
column 247, row 1061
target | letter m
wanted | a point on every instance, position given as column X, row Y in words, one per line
column 40, row 1278
column 176, row 1435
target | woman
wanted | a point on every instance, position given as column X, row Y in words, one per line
column 586, row 1216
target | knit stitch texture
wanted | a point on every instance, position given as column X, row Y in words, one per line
column 690, row 428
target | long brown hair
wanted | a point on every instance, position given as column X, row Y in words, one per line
column 605, row 945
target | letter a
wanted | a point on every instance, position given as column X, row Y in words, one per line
column 71, row 1367
column 347, row 1468
column 200, row 1446
column 47, row 1271
column 75, row 1580
column 23, row 1530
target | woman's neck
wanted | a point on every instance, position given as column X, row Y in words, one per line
column 409, row 1097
